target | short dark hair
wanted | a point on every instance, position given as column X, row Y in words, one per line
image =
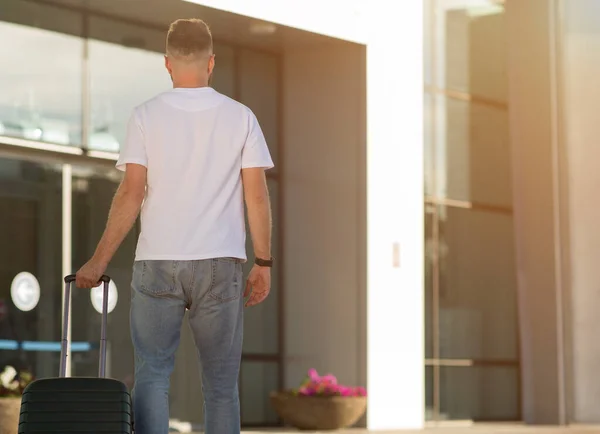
column 189, row 38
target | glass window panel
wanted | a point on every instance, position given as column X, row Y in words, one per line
column 119, row 55
column 430, row 250
column 470, row 48
column 30, row 108
column 482, row 394
column 223, row 78
column 429, row 126
column 429, row 388
column 257, row 381
column 478, row 297
column 472, row 152
column 258, row 90
column 427, row 41
column 127, row 35
column 31, row 241
column 92, row 194
column 260, row 322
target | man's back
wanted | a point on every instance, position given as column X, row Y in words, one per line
column 194, row 142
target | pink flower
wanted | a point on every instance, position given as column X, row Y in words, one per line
column 313, row 375
column 361, row 391
column 329, row 378
column 327, row 385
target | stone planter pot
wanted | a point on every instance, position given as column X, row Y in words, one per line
column 318, row 413
column 10, row 409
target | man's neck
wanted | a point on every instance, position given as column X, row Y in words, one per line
column 190, row 84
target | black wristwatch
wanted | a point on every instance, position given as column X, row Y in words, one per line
column 264, row 262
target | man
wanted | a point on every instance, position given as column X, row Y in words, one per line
column 190, row 157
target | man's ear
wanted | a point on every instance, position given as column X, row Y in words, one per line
column 168, row 64
column 211, row 64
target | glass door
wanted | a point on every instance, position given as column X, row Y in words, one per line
column 30, row 265
column 472, row 348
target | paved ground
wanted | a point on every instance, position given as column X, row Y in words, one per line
column 476, row 429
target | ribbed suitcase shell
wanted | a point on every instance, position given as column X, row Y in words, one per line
column 76, row 405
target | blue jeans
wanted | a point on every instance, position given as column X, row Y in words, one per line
column 212, row 290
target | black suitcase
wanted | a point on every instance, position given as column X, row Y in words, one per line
column 79, row 404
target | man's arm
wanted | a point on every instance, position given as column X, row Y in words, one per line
column 124, row 210
column 259, row 218
column 259, row 210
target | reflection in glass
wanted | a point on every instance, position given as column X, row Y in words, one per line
column 478, row 297
column 31, row 206
column 260, row 322
column 430, row 251
column 121, row 78
column 429, row 389
column 92, row 194
column 470, row 48
column 467, row 159
column 257, row 380
column 429, row 127
column 479, row 393
column 40, row 85
column 427, row 41
column 472, row 152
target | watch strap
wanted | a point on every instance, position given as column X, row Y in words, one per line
column 264, row 262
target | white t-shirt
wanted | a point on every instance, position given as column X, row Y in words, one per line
column 194, row 142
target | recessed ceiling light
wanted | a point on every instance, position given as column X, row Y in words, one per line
column 262, row 28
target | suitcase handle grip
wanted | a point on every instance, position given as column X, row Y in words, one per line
column 69, row 280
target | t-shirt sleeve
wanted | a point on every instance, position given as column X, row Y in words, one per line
column 255, row 152
column 134, row 149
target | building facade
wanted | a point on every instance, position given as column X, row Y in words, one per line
column 433, row 222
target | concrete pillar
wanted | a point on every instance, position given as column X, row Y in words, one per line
column 580, row 129
column 537, row 199
column 554, row 130
column 395, row 296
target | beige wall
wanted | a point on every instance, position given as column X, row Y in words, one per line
column 325, row 209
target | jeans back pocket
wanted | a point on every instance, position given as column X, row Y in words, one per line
column 157, row 277
column 226, row 283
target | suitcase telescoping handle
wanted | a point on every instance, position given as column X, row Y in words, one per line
column 69, row 280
